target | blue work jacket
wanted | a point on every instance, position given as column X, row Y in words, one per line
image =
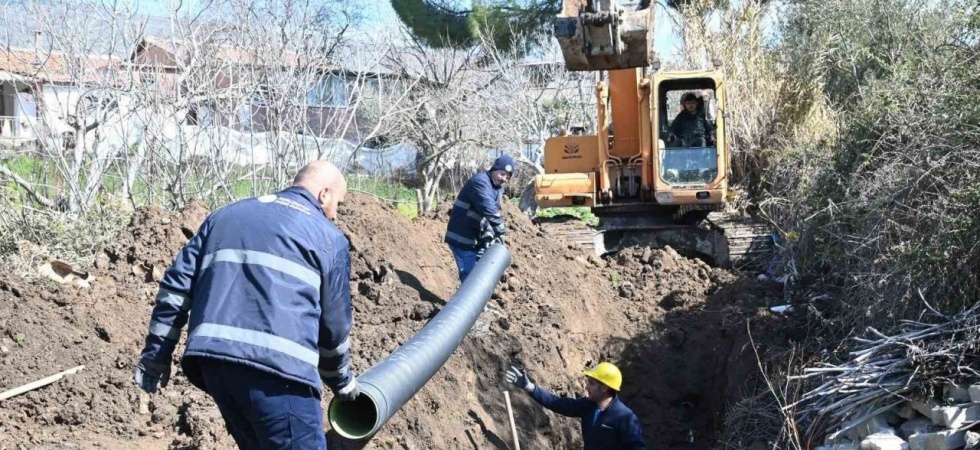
column 615, row 428
column 475, row 217
column 264, row 283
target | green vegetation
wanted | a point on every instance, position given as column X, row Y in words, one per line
column 579, row 212
column 403, row 197
column 440, row 23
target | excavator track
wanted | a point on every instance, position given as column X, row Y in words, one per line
column 750, row 243
column 723, row 238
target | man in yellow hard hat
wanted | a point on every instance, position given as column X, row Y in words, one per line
column 607, row 424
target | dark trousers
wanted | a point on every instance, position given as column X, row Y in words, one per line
column 465, row 260
column 263, row 411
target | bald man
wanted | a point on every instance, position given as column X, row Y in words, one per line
column 265, row 286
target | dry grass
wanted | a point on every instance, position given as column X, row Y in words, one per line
column 772, row 104
column 30, row 237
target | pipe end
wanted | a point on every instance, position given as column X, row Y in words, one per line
column 353, row 420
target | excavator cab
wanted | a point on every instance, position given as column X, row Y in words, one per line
column 653, row 173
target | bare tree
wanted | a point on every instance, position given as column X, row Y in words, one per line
column 443, row 120
column 527, row 101
column 226, row 103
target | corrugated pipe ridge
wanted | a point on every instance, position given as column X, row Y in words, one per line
column 389, row 384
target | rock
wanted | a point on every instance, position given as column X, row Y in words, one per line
column 144, row 403
column 974, row 393
column 422, row 311
column 626, row 290
column 906, row 412
column 645, row 257
column 954, row 417
column 884, row 441
column 102, row 333
column 4, row 350
column 915, row 426
column 972, row 439
column 939, row 440
column 956, row 394
column 596, row 261
column 369, row 291
column 873, row 425
column 929, row 410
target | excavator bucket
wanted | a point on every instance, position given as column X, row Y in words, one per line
column 605, row 34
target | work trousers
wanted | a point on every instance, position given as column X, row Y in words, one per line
column 263, row 411
column 465, row 260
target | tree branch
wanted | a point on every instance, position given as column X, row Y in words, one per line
column 27, row 186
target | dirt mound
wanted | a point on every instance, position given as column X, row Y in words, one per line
column 46, row 327
column 556, row 311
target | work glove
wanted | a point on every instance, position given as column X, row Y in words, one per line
column 151, row 375
column 350, row 392
column 518, row 377
column 498, row 240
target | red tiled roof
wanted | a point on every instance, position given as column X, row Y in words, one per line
column 232, row 54
column 54, row 67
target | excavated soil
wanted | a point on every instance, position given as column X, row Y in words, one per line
column 676, row 327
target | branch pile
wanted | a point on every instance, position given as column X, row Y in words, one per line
column 889, row 370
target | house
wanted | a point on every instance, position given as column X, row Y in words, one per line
column 40, row 88
column 252, row 92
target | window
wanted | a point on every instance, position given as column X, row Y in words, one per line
column 330, row 90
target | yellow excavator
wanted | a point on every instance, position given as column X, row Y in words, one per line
column 647, row 181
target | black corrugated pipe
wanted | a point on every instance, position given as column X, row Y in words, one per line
column 389, row 384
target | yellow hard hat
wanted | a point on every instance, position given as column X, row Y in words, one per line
column 607, row 374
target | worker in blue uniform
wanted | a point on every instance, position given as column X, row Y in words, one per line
column 475, row 220
column 607, row 424
column 264, row 289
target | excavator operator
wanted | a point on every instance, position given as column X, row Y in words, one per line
column 691, row 126
column 607, row 423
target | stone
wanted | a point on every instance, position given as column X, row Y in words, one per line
column 974, row 393
column 972, row 439
column 626, row 290
column 873, row 425
column 884, row 441
column 929, row 410
column 954, row 417
column 956, row 393
column 939, row 440
column 906, row 412
column 915, row 426
column 645, row 257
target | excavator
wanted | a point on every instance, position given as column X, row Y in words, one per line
column 649, row 183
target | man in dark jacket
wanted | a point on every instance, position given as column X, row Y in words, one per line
column 607, row 424
column 475, row 220
column 264, row 286
column 690, row 125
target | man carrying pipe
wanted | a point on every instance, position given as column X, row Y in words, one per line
column 607, row 424
column 475, row 222
column 265, row 286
